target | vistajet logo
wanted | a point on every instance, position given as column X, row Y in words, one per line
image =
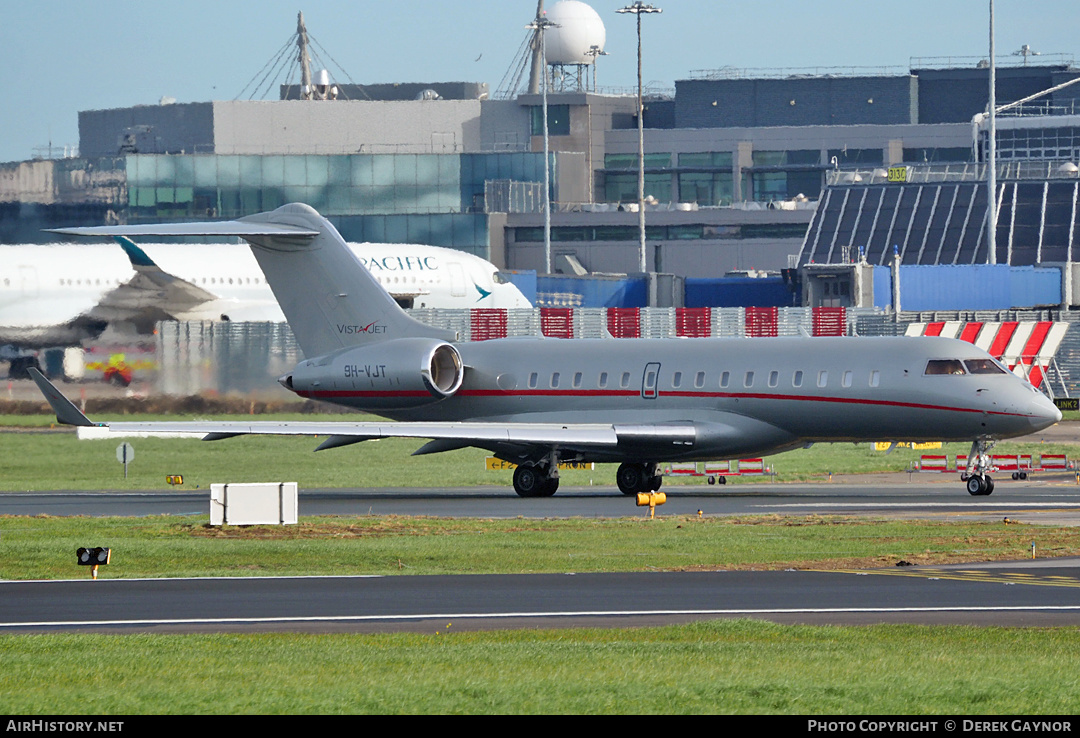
column 370, row 329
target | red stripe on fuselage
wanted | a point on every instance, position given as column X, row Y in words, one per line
column 342, row 394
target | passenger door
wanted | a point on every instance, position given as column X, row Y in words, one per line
column 649, row 380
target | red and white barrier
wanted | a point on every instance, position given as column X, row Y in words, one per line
column 718, row 470
column 1025, row 347
column 1011, row 463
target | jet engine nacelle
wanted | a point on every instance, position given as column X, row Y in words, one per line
column 402, row 373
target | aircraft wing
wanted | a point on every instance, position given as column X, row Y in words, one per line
column 450, row 434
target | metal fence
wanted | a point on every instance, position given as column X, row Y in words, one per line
column 247, row 358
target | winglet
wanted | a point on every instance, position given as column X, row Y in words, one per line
column 65, row 411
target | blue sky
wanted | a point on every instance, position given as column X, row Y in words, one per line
column 62, row 56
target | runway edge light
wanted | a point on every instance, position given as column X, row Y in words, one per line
column 93, row 557
column 652, row 499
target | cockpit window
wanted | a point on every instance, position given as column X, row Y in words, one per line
column 984, row 366
column 945, row 366
column 498, row 278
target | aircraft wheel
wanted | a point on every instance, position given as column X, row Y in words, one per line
column 712, row 480
column 722, row 480
column 528, row 481
column 975, row 485
column 631, row 478
column 989, row 486
column 551, row 486
column 656, row 482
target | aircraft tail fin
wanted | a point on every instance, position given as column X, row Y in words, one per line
column 329, row 298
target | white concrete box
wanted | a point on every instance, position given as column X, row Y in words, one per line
column 266, row 503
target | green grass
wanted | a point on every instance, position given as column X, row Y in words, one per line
column 728, row 667
column 44, row 547
column 41, row 461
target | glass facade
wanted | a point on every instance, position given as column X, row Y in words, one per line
column 357, row 184
column 706, row 188
column 424, row 198
column 937, row 155
column 624, row 187
column 1062, row 142
column 558, row 120
column 854, row 157
column 687, row 232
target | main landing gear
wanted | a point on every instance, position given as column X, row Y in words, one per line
column 977, row 479
column 533, row 480
column 635, row 478
column 542, row 480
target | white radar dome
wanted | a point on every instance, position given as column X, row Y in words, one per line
column 580, row 28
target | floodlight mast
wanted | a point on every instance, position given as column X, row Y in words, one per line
column 638, row 8
column 541, row 24
column 991, row 182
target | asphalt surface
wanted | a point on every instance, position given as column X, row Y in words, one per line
column 1042, row 593
column 1048, row 500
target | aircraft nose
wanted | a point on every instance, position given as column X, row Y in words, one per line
column 1042, row 413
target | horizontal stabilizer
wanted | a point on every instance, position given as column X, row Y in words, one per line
column 228, row 228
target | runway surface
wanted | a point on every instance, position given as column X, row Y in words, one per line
column 1047, row 501
column 1040, row 593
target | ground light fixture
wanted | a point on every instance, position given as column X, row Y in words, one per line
column 652, row 499
column 93, row 557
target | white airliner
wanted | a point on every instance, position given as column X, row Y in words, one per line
column 638, row 402
column 62, row 294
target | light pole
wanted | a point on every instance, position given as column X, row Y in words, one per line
column 991, row 169
column 638, row 8
column 540, row 25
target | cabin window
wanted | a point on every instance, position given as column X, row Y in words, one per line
column 847, row 378
column 699, row 380
column 625, row 381
column 554, row 380
column 748, row 380
column 796, row 379
column 577, row 379
column 944, row 366
column 875, row 378
column 984, row 366
column 725, row 378
column 533, row 380
column 603, row 380
column 774, row 378
column 676, row 380
column 822, row 378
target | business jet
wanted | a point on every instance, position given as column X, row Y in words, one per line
column 638, row 402
column 63, row 294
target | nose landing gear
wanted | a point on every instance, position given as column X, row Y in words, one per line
column 977, row 479
column 980, row 486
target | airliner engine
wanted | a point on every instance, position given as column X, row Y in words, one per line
column 402, row 373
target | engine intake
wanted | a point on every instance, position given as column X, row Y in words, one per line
column 403, row 373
